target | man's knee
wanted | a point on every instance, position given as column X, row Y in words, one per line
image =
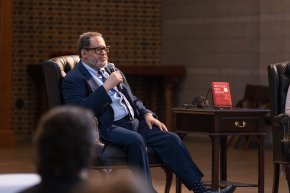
column 136, row 139
column 173, row 138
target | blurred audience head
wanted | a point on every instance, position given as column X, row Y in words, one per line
column 64, row 141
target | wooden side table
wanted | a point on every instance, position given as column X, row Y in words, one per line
column 218, row 124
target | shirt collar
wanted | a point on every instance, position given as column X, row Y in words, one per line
column 92, row 70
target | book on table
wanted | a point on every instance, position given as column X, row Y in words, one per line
column 221, row 95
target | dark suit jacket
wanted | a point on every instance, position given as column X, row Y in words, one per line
column 79, row 88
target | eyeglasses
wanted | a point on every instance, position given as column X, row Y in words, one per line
column 99, row 50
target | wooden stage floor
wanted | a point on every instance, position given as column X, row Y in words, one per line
column 242, row 165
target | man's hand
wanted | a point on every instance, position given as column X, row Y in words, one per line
column 150, row 120
column 113, row 80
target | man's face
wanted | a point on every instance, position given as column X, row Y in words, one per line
column 98, row 57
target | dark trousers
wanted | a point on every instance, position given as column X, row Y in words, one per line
column 133, row 136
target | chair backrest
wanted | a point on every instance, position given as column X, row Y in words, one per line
column 279, row 80
column 55, row 70
column 256, row 96
column 250, row 92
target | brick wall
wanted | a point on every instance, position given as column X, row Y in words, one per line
column 224, row 40
column 42, row 28
column 217, row 40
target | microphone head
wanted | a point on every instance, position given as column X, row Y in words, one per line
column 110, row 66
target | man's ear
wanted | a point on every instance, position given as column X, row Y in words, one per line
column 84, row 53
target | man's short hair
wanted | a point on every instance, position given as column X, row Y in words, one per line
column 84, row 40
column 64, row 141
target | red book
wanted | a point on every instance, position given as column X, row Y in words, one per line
column 221, row 95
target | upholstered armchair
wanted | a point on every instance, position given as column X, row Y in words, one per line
column 279, row 80
column 109, row 157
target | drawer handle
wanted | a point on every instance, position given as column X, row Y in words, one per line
column 237, row 124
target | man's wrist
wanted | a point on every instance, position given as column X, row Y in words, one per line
column 106, row 87
column 148, row 114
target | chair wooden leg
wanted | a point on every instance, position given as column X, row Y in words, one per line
column 287, row 173
column 169, row 176
column 249, row 139
column 276, row 178
column 230, row 141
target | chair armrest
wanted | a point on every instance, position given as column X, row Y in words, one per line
column 99, row 149
column 278, row 120
column 278, row 134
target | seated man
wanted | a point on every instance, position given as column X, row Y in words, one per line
column 123, row 119
column 64, row 143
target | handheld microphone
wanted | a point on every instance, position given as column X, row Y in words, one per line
column 111, row 68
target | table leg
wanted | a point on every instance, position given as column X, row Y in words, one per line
column 215, row 161
column 261, row 164
column 223, row 158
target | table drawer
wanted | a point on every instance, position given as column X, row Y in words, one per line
column 187, row 122
column 239, row 124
